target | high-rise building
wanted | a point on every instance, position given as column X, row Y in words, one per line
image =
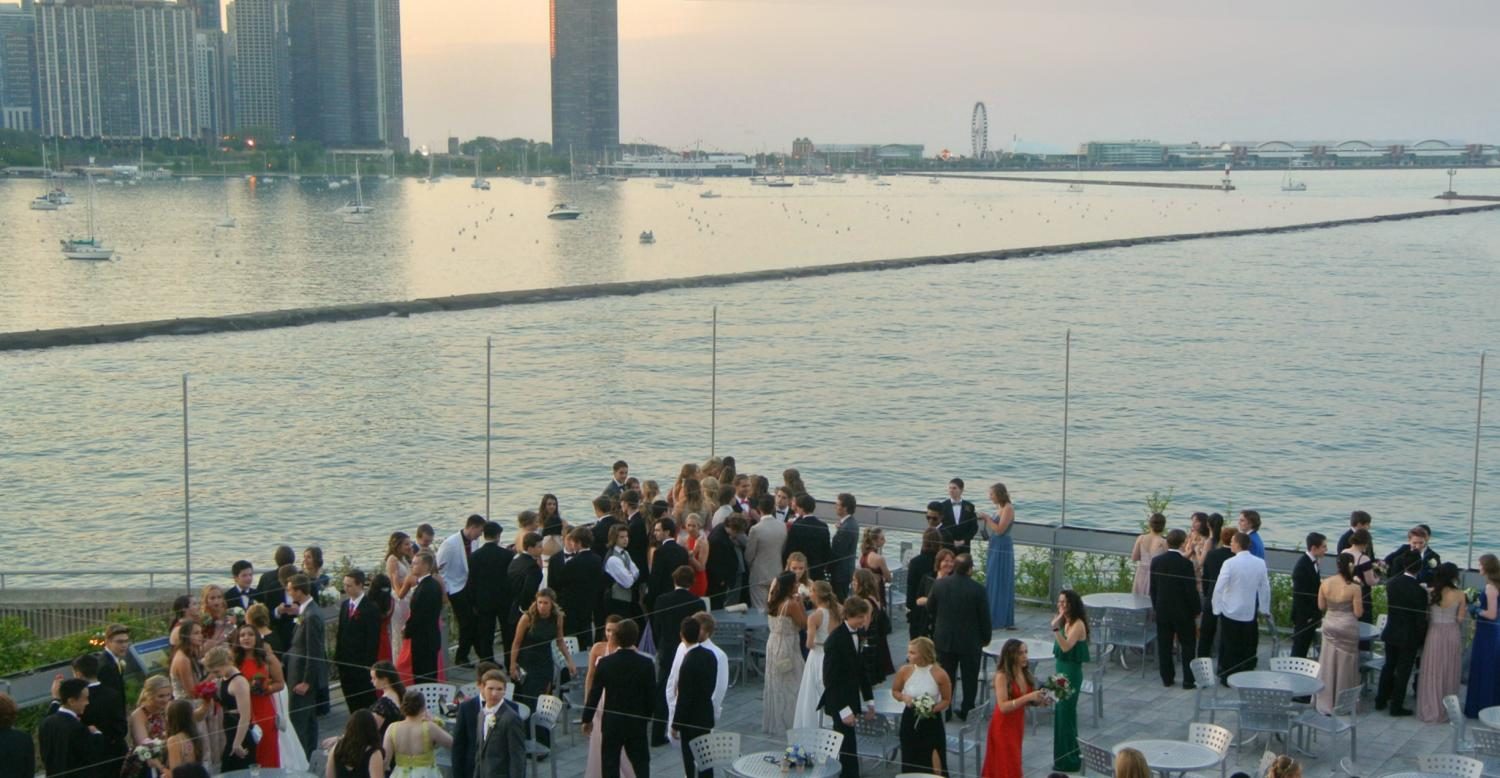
column 260, row 66
column 207, row 15
column 18, row 109
column 346, row 72
column 585, row 53
column 211, row 78
column 115, row 69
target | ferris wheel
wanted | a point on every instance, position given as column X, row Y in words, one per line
column 979, row 131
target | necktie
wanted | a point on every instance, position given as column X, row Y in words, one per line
column 120, row 665
column 351, row 609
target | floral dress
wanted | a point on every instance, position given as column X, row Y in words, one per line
column 156, row 729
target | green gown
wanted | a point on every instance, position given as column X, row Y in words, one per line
column 1065, row 755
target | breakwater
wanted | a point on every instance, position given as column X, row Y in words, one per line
column 114, row 333
column 1087, row 182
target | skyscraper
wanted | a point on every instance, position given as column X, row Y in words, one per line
column 585, row 53
column 18, row 108
column 207, row 13
column 346, row 72
column 260, row 66
column 211, row 79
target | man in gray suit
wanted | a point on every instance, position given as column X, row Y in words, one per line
column 845, row 546
column 307, row 663
column 763, row 552
column 502, row 743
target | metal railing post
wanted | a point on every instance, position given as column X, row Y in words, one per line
column 187, row 514
column 1474, row 484
column 489, row 347
column 1059, row 557
column 713, row 392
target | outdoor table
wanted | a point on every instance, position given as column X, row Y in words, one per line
column 1121, row 600
column 752, row 619
column 1172, row 756
column 1037, row 650
column 268, row 772
column 1296, row 683
column 756, row 766
column 1490, row 717
column 1412, row 775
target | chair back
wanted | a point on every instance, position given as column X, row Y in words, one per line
column 822, row 742
column 1097, row 759
column 1456, row 720
column 1203, row 672
column 715, row 751
column 1265, row 709
column 729, row 636
column 1486, row 741
column 1266, row 760
column 1212, row 736
column 548, row 709
column 1346, row 702
column 1451, row 764
column 877, row 728
column 560, row 662
column 1101, row 626
column 436, row 695
column 1293, row 664
column 470, row 690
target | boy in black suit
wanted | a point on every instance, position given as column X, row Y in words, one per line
column 669, row 556
column 104, row 715
column 242, row 594
column 1175, row 598
column 626, row 675
column 1405, row 631
column 960, row 521
column 671, row 609
column 1305, row 583
column 358, row 642
column 808, row 534
column 66, row 744
column 693, row 715
column 846, row 688
column 577, row 575
column 501, row 749
column 1417, row 539
column 488, row 567
column 112, row 662
column 468, row 725
column 422, row 624
column 960, row 627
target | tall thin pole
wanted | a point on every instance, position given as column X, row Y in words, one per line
column 187, row 514
column 713, row 397
column 489, row 347
column 1474, row 484
column 1067, row 398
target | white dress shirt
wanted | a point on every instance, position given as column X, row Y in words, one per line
column 622, row 569
column 1243, row 588
column 721, row 684
column 453, row 562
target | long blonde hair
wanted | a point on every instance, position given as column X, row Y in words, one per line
column 149, row 689
column 1130, row 763
column 822, row 596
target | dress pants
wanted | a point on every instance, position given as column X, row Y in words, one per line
column 462, row 603
column 1302, row 636
column 659, row 718
column 631, row 738
column 484, row 635
column 1238, row 642
column 966, row 664
column 358, row 692
column 304, row 715
column 686, row 736
column 1182, row 629
column 1395, row 677
column 1208, row 627
column 849, row 751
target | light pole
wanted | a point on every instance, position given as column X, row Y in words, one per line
column 1451, row 173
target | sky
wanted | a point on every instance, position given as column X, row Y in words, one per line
column 752, row 75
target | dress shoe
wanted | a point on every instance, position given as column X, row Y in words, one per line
column 1189, row 685
column 1167, row 683
column 1395, row 711
column 1380, row 705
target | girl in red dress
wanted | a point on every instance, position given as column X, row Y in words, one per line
column 697, row 546
column 256, row 662
column 1015, row 689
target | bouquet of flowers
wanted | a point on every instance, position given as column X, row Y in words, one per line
column 151, row 749
column 207, row 690
column 796, row 756
column 923, row 706
column 328, row 596
column 1381, row 569
column 1471, row 596
column 238, row 614
column 1058, row 687
column 258, row 684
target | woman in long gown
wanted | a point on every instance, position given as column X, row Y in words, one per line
column 871, row 557
column 783, row 656
column 1198, row 542
column 877, row 653
column 1340, row 597
column 398, row 552
column 256, row 662
column 697, row 546
column 541, row 628
column 149, row 722
column 380, row 594
column 290, row 752
column 1365, row 576
column 595, row 767
column 410, row 745
column 924, row 741
column 1015, row 689
column 1484, row 661
column 187, row 672
column 1442, row 653
column 1070, row 649
column 819, row 623
column 1147, row 546
column 1000, row 559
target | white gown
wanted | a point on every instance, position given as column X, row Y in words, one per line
column 292, row 758
column 400, row 609
column 808, row 715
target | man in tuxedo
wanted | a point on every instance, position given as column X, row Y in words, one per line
column 960, row 626
column 724, row 559
column 626, row 676
column 1416, row 543
column 453, row 567
column 1242, row 593
column 357, row 643
column 1357, row 520
column 691, row 695
column 523, row 579
column 422, row 621
column 621, row 474
column 501, row 751
column 105, row 716
column 669, row 556
column 764, row 553
column 273, row 595
column 960, row 520
column 1213, row 562
column 782, row 509
column 846, row 688
column 1405, row 631
column 243, row 593
column 468, row 723
column 603, row 520
column 1177, row 602
column 809, row 535
column 577, row 575
column 666, row 622
column 488, row 566
column 639, row 528
column 845, row 546
column 1305, row 582
column 112, row 663
column 66, row 743
column 742, row 503
column 307, row 664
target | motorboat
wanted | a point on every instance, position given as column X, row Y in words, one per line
column 42, row 203
column 563, row 211
column 708, row 194
column 882, row 182
column 663, row 184
column 934, row 180
column 648, row 237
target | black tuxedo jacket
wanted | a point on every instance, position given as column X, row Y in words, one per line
column 1406, row 626
column 960, row 614
column 489, row 568
column 1213, row 561
column 723, row 561
column 66, row 746
column 1430, row 562
column 695, row 689
column 579, row 582
column 666, row 621
column 640, row 540
column 668, row 557
column 631, row 682
column 809, row 535
column 845, row 684
column 843, row 553
column 105, row 714
column 426, row 606
column 1343, row 541
column 1305, row 584
column 466, row 737
column 109, row 676
column 1174, row 588
column 601, row 533
column 962, row 531
column 524, row 577
column 503, row 753
column 358, row 637
column 272, row 596
column 236, row 597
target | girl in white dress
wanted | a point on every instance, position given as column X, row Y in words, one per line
column 783, row 656
column 819, row 624
column 398, row 552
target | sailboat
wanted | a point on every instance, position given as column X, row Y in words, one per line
column 228, row 221
column 295, row 175
column 355, row 211
column 479, row 183
column 1289, row 184
column 43, row 202
column 90, row 247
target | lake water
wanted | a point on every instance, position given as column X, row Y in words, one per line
column 1303, row 374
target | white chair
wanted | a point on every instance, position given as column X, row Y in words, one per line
column 1265, row 710
column 1487, row 749
column 1215, row 737
column 548, row 709
column 1344, row 718
column 971, row 737
column 1093, row 685
column 1100, row 760
column 1456, row 720
column 1206, row 696
column 559, row 661
column 469, row 690
column 715, row 751
column 1451, row 765
column 877, row 738
column 436, row 695
column 1292, row 664
column 824, row 743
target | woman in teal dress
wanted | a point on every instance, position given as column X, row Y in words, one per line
column 1070, row 649
column 1000, row 564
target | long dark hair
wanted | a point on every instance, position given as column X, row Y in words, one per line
column 1346, row 567
column 386, row 671
column 381, row 592
column 361, row 735
column 1200, row 524
column 1011, row 664
column 260, row 652
column 1444, row 579
column 1075, row 610
column 785, row 589
column 1215, row 527
column 180, row 721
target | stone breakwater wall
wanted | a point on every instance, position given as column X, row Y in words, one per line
column 295, row 317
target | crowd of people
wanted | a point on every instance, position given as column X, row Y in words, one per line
column 638, row 585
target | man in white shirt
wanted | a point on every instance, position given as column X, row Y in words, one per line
column 453, row 568
column 1242, row 591
column 706, row 625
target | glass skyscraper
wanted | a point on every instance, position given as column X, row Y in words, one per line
column 585, row 52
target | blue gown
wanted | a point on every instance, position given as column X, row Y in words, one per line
column 1000, row 581
column 1484, row 664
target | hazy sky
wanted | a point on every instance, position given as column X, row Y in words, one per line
column 753, row 74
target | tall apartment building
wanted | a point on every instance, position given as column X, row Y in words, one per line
column 207, row 15
column 260, row 66
column 115, row 69
column 18, row 109
column 346, row 72
column 585, row 54
column 211, row 77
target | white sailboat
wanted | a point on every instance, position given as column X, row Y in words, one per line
column 479, row 182
column 43, row 202
column 355, row 211
column 90, row 247
column 1289, row 184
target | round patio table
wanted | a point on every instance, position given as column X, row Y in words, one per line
column 756, row 766
column 1172, row 756
column 1490, row 717
column 1412, row 775
column 268, row 772
column 1296, row 683
column 752, row 619
column 1037, row 650
column 1121, row 600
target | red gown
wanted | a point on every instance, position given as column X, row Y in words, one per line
column 1002, row 752
column 700, row 578
column 262, row 712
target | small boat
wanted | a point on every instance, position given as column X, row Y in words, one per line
column 1075, row 188
column 934, row 180
column 648, row 237
column 663, row 184
column 757, row 181
column 837, row 180
column 693, row 181
column 43, row 203
column 620, row 178
column 479, row 182
column 563, row 211
column 780, row 183
column 356, row 207
column 192, row 178
column 806, row 181
column 708, row 194
column 539, row 182
column 1289, row 184
column 882, row 182
column 90, row 247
